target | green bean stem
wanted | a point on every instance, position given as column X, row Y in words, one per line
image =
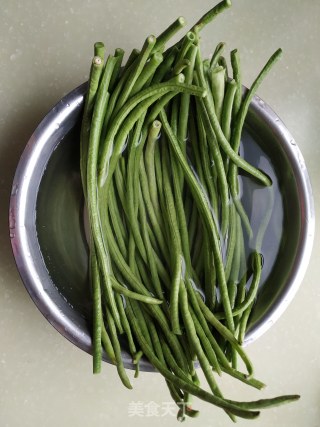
column 97, row 313
column 92, row 196
column 226, row 117
column 211, row 15
column 257, row 265
column 236, row 135
column 133, row 295
column 147, row 73
column 206, row 215
column 217, row 80
column 118, row 54
column 216, row 54
column 168, row 33
column 125, row 324
column 176, row 250
column 182, row 384
column 215, row 128
column 149, row 163
column 155, row 240
column 138, row 66
column 107, row 345
column 235, row 63
column 95, row 74
column 154, row 92
column 117, row 350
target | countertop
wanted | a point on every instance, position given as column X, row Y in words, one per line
column 45, row 49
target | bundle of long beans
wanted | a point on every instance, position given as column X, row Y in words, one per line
column 169, row 267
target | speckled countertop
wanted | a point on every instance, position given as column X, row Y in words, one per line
column 45, row 49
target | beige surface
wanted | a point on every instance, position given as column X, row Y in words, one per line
column 45, row 48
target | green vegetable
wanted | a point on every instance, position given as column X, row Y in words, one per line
column 169, row 268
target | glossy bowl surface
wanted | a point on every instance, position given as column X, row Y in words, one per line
column 47, row 227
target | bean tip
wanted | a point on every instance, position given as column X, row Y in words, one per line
column 176, row 330
column 157, row 56
column 295, row 397
column 180, row 415
column 99, row 44
column 191, row 36
column 181, row 78
column 268, row 181
column 151, row 39
column 193, row 413
column 96, row 368
column 182, row 21
column 156, row 124
column 97, row 60
column 119, row 51
column 255, row 414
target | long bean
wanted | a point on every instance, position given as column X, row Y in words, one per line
column 154, row 92
column 131, row 202
column 216, row 54
column 153, row 215
column 107, row 345
column 117, row 350
column 125, row 324
column 95, row 74
column 156, row 285
column 226, row 147
column 193, row 338
column 165, row 67
column 168, row 33
column 267, row 403
column 217, row 80
column 225, row 332
column 235, row 142
column 150, row 165
column 156, row 312
column 253, row 287
column 92, row 198
column 211, row 14
column 118, row 54
column 147, row 73
column 235, row 63
column 228, row 102
column 176, row 251
column 184, row 385
column 207, row 217
column 134, row 295
column 117, row 225
column 138, row 66
column 168, row 247
column 97, row 313
column 218, row 163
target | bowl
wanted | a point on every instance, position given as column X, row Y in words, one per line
column 47, row 220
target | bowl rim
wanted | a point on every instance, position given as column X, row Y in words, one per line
column 21, row 239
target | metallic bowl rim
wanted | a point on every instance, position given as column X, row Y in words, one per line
column 20, row 235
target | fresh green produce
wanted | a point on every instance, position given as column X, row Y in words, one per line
column 160, row 163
